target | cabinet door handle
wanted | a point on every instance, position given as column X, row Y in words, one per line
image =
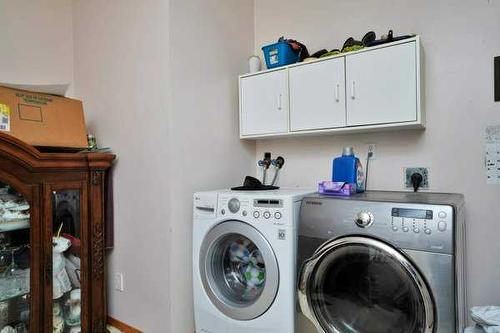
column 353, row 90
column 280, row 106
column 337, row 93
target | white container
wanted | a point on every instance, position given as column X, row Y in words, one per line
column 254, row 64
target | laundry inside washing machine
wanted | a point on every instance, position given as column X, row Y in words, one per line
column 244, row 268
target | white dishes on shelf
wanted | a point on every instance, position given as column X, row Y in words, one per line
column 57, row 318
column 9, row 215
column 14, row 212
column 14, row 225
column 13, row 203
column 8, row 329
column 73, row 316
column 14, row 278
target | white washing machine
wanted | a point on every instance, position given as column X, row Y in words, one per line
column 244, row 260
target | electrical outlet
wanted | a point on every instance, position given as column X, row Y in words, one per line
column 371, row 147
column 118, row 281
column 421, row 170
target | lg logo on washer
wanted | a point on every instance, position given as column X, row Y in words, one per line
column 282, row 234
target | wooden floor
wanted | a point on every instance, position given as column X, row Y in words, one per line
column 116, row 326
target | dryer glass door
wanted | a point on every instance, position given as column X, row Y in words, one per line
column 239, row 270
column 359, row 285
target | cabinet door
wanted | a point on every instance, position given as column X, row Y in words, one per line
column 382, row 85
column 19, row 258
column 264, row 103
column 317, row 95
column 67, row 243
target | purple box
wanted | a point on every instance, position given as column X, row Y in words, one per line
column 336, row 188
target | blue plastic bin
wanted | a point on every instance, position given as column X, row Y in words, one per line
column 279, row 54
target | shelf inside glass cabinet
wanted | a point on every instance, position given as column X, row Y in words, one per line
column 7, row 298
column 15, row 257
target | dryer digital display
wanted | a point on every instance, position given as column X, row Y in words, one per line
column 412, row 213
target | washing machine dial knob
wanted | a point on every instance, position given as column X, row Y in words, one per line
column 363, row 219
column 233, row 205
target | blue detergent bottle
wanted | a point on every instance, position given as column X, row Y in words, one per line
column 348, row 169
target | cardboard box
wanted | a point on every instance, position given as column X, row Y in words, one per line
column 42, row 120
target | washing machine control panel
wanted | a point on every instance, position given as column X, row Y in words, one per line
column 250, row 209
column 233, row 207
column 270, row 210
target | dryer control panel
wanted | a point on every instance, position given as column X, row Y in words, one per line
column 413, row 226
column 414, row 220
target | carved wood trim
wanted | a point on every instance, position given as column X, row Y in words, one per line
column 95, row 177
column 98, row 251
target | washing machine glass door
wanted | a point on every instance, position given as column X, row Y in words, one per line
column 359, row 285
column 239, row 270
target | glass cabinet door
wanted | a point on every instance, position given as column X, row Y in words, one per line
column 15, row 261
column 67, row 253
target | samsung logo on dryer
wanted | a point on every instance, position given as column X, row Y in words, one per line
column 314, row 203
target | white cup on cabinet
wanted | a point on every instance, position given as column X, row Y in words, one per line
column 254, row 64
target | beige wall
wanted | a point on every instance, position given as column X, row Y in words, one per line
column 210, row 42
column 36, row 41
column 121, row 74
column 158, row 79
column 460, row 39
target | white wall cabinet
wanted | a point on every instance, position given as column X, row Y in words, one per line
column 382, row 86
column 264, row 104
column 317, row 95
column 376, row 88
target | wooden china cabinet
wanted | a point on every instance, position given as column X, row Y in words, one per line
column 52, row 245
